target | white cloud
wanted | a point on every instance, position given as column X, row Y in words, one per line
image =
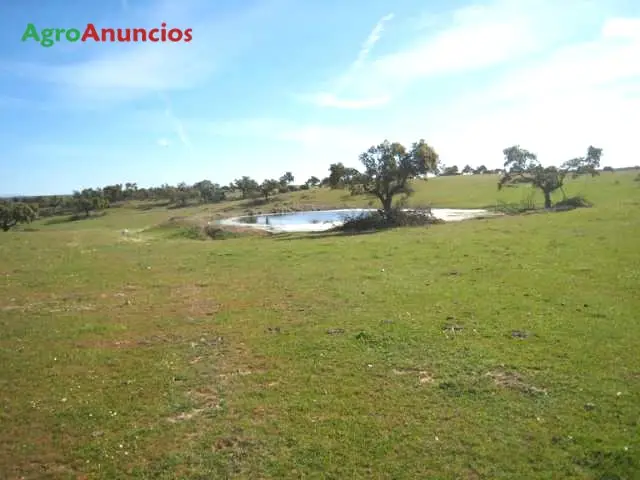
column 368, row 45
column 578, row 94
column 331, row 100
column 176, row 123
column 163, row 142
column 326, row 99
column 477, row 37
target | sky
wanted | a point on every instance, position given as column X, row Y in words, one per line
column 269, row 86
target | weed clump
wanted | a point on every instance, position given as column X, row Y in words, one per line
column 577, row 201
column 379, row 220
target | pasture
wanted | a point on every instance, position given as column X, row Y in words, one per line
column 503, row 348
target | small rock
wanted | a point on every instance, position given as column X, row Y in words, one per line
column 335, row 331
column 452, row 327
column 589, row 406
column 387, row 321
column 519, row 334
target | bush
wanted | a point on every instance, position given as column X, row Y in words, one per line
column 217, row 232
column 377, row 220
column 193, row 232
column 526, row 205
column 573, row 202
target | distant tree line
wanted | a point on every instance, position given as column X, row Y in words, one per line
column 388, row 168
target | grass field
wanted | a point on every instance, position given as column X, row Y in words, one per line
column 504, row 348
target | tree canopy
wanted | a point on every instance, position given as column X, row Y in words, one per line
column 89, row 200
column 268, row 187
column 13, row 213
column 388, row 167
column 246, row 185
column 522, row 166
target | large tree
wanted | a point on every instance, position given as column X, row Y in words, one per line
column 341, row 176
column 286, row 179
column 209, row 192
column 389, row 167
column 313, row 181
column 246, row 185
column 13, row 213
column 268, row 187
column 481, row 170
column 450, row 171
column 89, row 200
column 522, row 166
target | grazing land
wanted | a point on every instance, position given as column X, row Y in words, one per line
column 502, row 348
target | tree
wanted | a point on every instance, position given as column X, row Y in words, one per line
column 13, row 213
column 608, row 169
column 130, row 189
column 246, row 185
column 336, row 175
column 467, row 169
column 522, row 166
column 89, row 200
column 450, row 171
column 388, row 167
column 268, row 187
column 312, row 182
column 481, row 170
column 209, row 192
column 113, row 193
column 286, row 179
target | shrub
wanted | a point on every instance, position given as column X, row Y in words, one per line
column 513, row 208
column 192, row 232
column 397, row 217
column 218, row 232
column 573, row 202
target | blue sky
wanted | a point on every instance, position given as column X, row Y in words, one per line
column 268, row 86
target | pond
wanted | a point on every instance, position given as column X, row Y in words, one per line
column 320, row 220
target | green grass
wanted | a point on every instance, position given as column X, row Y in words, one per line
column 158, row 356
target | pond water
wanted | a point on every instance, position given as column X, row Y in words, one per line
column 320, row 220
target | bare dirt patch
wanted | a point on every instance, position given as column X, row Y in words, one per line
column 514, row 381
column 424, row 376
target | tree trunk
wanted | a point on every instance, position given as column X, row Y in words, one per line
column 547, row 199
column 386, row 204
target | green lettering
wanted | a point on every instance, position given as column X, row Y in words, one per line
column 30, row 32
column 47, row 41
column 59, row 31
column 73, row 35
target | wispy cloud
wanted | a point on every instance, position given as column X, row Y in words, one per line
column 557, row 104
column 473, row 37
column 176, row 124
column 163, row 142
column 368, row 45
column 332, row 99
